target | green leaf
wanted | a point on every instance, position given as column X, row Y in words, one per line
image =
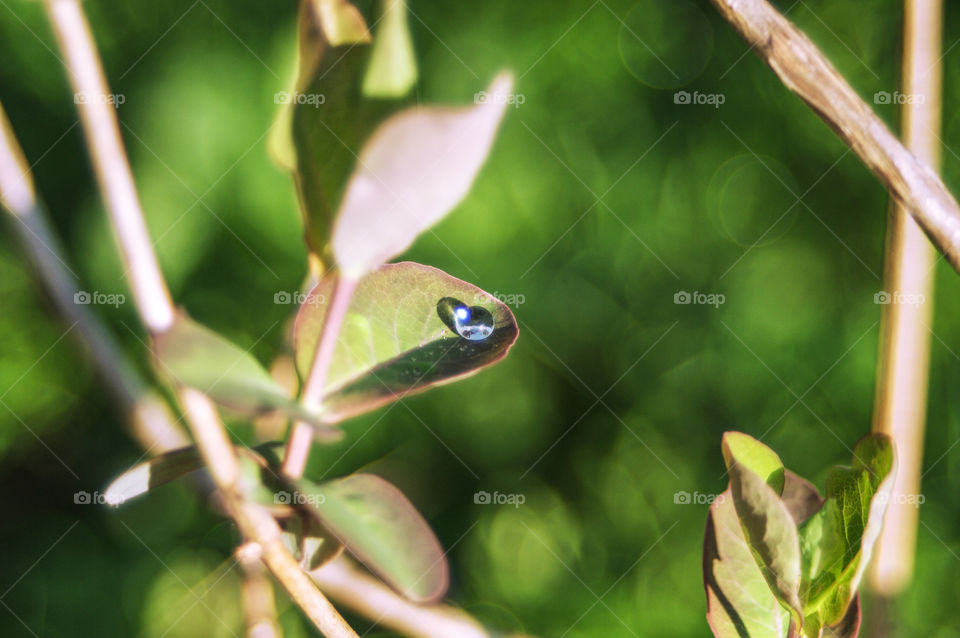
column 321, row 127
column 739, row 601
column 837, row 541
column 849, row 626
column 743, row 449
column 378, row 525
column 767, row 524
column 393, row 68
column 168, row 467
column 416, row 168
column 309, row 542
column 153, row 473
column 393, row 342
column 195, row 356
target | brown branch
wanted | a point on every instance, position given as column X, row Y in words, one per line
column 805, row 71
column 148, row 414
column 902, row 369
column 349, row 585
column 156, row 309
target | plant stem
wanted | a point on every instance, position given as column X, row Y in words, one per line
column 805, row 70
column 257, row 593
column 301, row 437
column 346, row 583
column 900, row 408
column 147, row 413
column 157, row 312
column 99, row 119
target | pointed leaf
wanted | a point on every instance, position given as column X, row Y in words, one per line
column 378, row 525
column 197, row 357
column 418, row 165
column 393, row 342
column 740, row 448
column 168, row 467
column 837, row 541
column 324, row 120
column 739, row 601
column 150, row 474
column 767, row 524
column 393, row 68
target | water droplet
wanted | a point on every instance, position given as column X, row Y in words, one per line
column 473, row 323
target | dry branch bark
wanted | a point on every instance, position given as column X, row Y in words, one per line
column 806, row 71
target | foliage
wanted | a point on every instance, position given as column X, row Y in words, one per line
column 779, row 561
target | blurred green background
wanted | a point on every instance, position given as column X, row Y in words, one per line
column 603, row 198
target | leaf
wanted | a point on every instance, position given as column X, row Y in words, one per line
column 837, row 541
column 849, row 626
column 320, row 129
column 739, row 601
column 393, row 342
column 767, row 524
column 168, row 467
column 378, row 525
column 308, row 542
column 393, row 68
column 740, row 604
column 418, row 165
column 197, row 357
column 153, row 473
column 743, row 449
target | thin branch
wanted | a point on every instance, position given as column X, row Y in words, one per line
column 257, row 594
column 349, row 585
column 99, row 119
column 805, row 70
column 301, row 437
column 902, row 369
column 147, row 413
column 157, row 312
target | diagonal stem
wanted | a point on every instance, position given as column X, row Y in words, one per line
column 808, row 73
column 157, row 312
